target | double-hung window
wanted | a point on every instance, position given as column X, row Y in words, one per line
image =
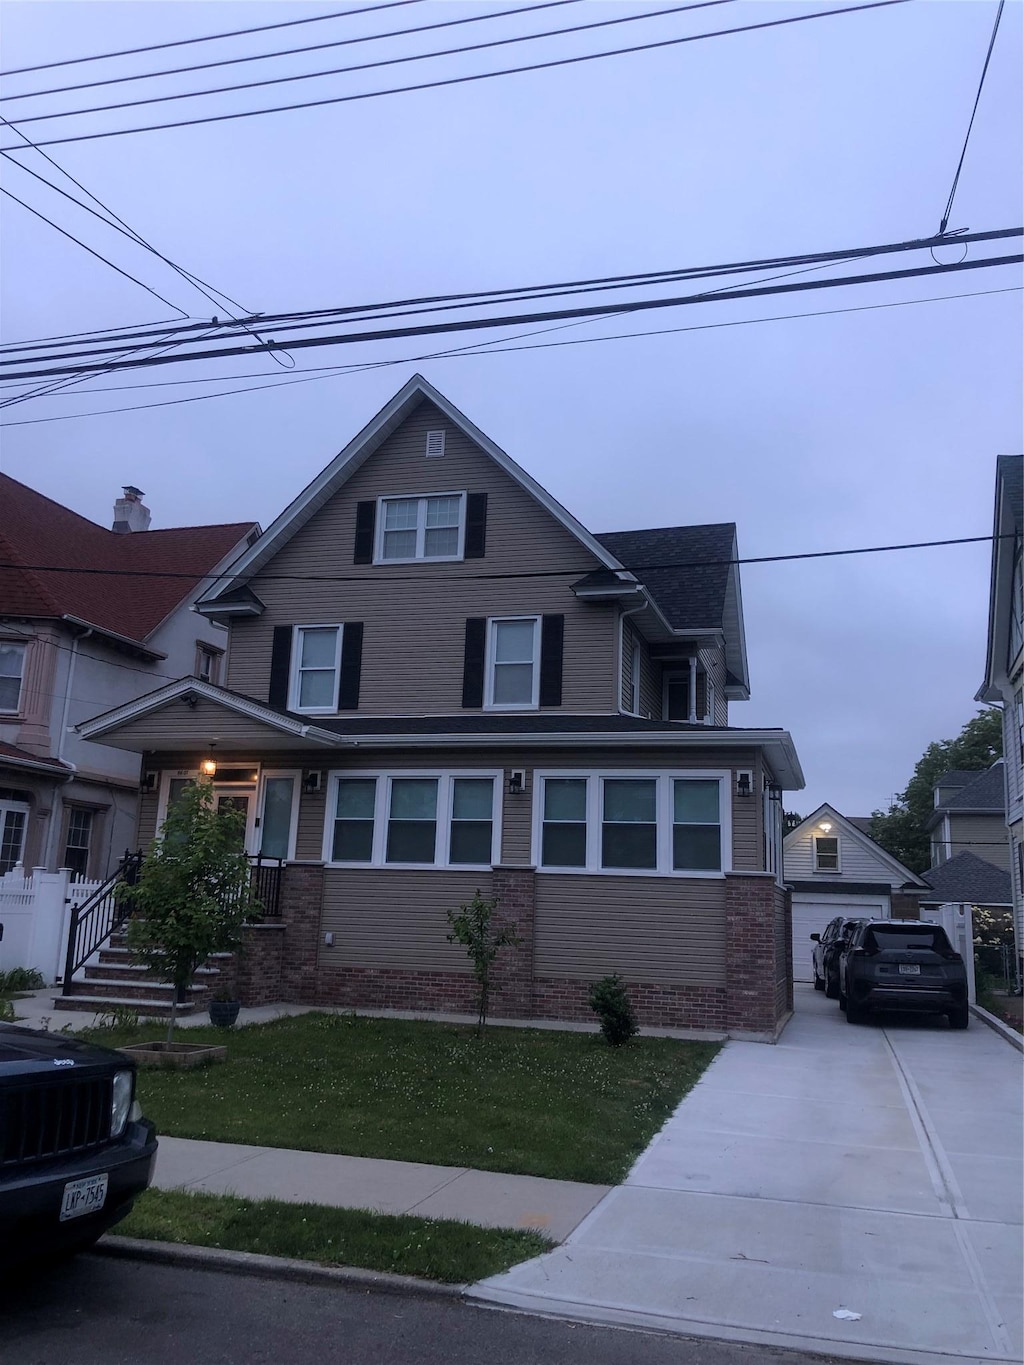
column 826, row 853
column 420, row 820
column 421, row 528
column 12, row 667
column 316, row 664
column 513, row 657
column 657, row 823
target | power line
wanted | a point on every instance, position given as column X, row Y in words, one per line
column 329, row 372
column 477, row 76
column 208, row 38
column 420, row 577
column 296, row 51
column 594, row 310
column 78, row 242
column 372, row 66
column 977, row 101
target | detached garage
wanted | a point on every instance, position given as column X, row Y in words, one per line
column 834, row 869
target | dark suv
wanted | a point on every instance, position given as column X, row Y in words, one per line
column 75, row 1150
column 902, row 964
column 828, row 947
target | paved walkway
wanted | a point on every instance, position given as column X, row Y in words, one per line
column 488, row 1198
column 868, row 1171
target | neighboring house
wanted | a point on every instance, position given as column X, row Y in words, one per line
column 1004, row 662
column 437, row 682
column 967, row 879
column 834, row 867
column 102, row 630
column 970, row 817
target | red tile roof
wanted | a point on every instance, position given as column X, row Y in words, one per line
column 36, row 532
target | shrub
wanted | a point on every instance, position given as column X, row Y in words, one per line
column 610, row 1002
column 18, row 979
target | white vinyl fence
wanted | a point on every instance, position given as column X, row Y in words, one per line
column 35, row 912
column 958, row 923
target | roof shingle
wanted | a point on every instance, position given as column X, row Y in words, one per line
column 686, row 568
column 967, row 879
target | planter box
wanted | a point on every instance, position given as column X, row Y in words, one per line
column 175, row 1056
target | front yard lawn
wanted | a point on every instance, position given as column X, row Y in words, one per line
column 435, row 1248
column 529, row 1101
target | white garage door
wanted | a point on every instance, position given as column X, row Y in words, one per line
column 810, row 916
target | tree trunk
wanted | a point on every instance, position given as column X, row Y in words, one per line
column 174, row 1011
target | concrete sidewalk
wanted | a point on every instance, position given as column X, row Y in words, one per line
column 487, row 1198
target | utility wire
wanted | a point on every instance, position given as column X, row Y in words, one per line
column 208, row 38
column 477, row 76
column 977, row 101
column 372, row 66
column 328, row 372
column 573, row 286
column 71, row 237
column 296, row 51
column 514, row 320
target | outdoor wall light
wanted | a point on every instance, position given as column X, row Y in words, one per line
column 744, row 783
column 516, row 782
column 826, row 825
column 311, row 782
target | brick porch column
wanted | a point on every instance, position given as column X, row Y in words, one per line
column 757, row 981
column 302, row 898
column 515, row 892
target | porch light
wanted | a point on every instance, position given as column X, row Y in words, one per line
column 825, row 825
column 744, row 783
column 208, row 767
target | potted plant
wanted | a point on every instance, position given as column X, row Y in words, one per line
column 224, row 1009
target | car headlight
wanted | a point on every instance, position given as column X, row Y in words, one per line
column 120, row 1102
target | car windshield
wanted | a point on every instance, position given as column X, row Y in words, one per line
column 906, row 938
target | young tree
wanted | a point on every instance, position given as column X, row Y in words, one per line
column 901, row 829
column 473, row 927
column 193, row 894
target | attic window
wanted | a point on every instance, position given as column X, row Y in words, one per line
column 435, row 444
column 826, row 853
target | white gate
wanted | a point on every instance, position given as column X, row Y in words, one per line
column 35, row 912
column 958, row 923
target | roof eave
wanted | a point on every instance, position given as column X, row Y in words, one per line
column 147, row 651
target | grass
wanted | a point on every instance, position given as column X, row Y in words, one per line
column 528, row 1101
column 433, row 1248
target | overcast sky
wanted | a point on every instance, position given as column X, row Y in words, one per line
column 864, row 428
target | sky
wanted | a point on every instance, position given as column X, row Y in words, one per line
column 864, row 428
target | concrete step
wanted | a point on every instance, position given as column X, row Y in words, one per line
column 125, row 970
column 131, row 988
column 103, row 1004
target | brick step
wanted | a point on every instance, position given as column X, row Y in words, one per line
column 139, row 988
column 130, row 972
column 103, row 1004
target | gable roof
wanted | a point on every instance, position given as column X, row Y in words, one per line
column 130, row 602
column 355, row 454
column 686, row 569
column 859, row 836
column 984, row 791
column 1007, row 531
column 967, row 878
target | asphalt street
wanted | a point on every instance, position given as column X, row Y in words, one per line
column 101, row 1311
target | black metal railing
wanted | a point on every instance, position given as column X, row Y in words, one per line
column 95, row 920
column 265, row 885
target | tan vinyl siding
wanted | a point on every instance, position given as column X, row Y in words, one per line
column 712, row 660
column 747, row 829
column 629, row 638
column 386, row 917
column 982, row 835
column 647, row 928
column 414, row 614
column 651, row 706
column 147, row 819
column 199, row 726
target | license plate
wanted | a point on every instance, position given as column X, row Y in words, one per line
column 909, row 969
column 83, row 1196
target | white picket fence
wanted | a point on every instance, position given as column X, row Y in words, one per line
column 35, row 913
column 958, row 922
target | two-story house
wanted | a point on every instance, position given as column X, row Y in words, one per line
column 90, row 618
column 969, row 815
column 1004, row 663
column 438, row 681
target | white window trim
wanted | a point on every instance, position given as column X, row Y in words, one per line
column 836, row 871
column 293, row 672
column 382, row 806
column 215, row 655
column 664, row 809
column 293, row 829
column 254, row 787
column 489, row 703
column 26, row 810
column 15, row 710
column 421, row 518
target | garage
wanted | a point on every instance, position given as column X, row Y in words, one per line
column 812, row 912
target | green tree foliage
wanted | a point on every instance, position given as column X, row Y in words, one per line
column 193, row 894
column 901, row 829
column 610, row 1002
column 473, row 926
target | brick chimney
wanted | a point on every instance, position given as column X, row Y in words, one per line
column 130, row 512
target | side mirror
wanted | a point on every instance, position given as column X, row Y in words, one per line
column 815, row 938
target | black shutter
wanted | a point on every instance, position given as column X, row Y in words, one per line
column 366, row 518
column 280, row 666
column 351, row 665
column 476, row 525
column 552, row 632
column 473, row 667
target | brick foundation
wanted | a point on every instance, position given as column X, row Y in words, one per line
column 758, row 920
column 301, row 905
column 254, row 974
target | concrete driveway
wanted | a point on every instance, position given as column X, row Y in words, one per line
column 872, row 1170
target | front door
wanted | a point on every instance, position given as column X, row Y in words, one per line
column 243, row 799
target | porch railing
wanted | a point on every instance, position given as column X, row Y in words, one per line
column 265, row 884
column 94, row 920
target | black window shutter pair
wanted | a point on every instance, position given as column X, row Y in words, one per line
column 552, row 634
column 351, row 666
column 476, row 529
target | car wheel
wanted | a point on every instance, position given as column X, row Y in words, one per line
column 960, row 1017
column 832, row 986
column 819, row 985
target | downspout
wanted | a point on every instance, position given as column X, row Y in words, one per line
column 53, row 833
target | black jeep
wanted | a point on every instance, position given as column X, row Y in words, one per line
column 894, row 964
column 75, row 1150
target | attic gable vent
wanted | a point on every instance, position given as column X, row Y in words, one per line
column 435, row 444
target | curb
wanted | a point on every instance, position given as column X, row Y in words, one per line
column 272, row 1267
column 1014, row 1038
